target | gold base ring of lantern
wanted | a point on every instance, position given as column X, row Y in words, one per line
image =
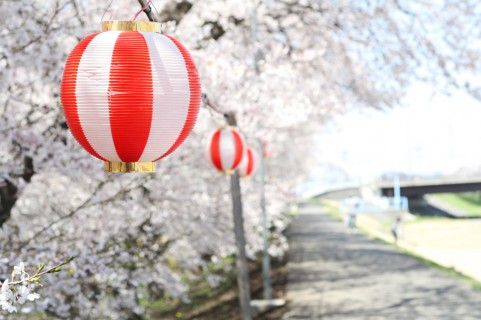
column 126, row 25
column 126, row 167
column 228, row 171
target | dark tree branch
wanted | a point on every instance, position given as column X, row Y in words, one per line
column 175, row 11
column 148, row 11
column 207, row 102
column 8, row 197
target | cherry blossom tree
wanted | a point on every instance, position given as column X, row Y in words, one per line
column 135, row 236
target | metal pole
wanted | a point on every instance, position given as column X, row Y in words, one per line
column 241, row 259
column 397, row 192
column 265, row 233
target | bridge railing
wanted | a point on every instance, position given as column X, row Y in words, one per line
column 401, row 203
column 375, row 204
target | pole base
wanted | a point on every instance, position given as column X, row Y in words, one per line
column 260, row 306
column 127, row 167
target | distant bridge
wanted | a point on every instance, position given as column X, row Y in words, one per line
column 340, row 193
column 410, row 189
column 418, row 188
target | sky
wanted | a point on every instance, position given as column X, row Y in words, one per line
column 431, row 134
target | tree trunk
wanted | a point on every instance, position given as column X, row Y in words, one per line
column 9, row 192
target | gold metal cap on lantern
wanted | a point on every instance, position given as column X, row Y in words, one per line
column 126, row 167
column 127, row 25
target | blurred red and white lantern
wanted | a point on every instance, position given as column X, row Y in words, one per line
column 226, row 149
column 265, row 149
column 249, row 163
column 130, row 94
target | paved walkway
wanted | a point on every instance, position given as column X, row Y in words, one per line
column 334, row 274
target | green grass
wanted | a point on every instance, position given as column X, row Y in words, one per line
column 420, row 219
column 330, row 206
column 468, row 202
column 450, row 271
column 200, row 292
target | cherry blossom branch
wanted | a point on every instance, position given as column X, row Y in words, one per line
column 70, row 214
column 19, row 291
column 40, row 272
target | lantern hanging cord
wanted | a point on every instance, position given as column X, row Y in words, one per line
column 209, row 104
column 141, row 10
column 106, row 9
column 157, row 13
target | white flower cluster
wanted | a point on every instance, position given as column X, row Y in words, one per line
column 18, row 290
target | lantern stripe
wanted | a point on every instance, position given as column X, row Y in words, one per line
column 92, row 94
column 250, row 162
column 130, row 96
column 194, row 99
column 239, row 148
column 69, row 99
column 170, row 95
column 215, row 150
column 227, row 147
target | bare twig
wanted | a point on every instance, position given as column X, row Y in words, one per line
column 210, row 104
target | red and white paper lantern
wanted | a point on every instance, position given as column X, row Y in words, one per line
column 130, row 97
column 226, row 149
column 249, row 163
